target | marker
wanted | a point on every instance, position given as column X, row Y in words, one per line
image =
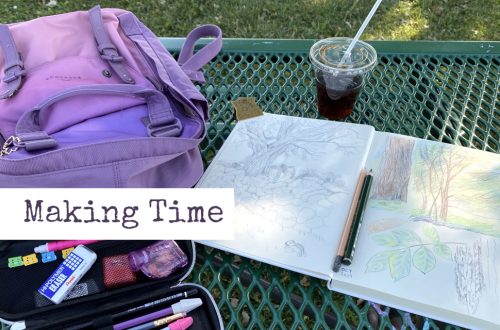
column 358, row 217
column 176, row 296
column 348, row 223
column 183, row 306
column 164, row 321
column 61, row 245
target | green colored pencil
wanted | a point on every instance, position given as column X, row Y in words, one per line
column 358, row 218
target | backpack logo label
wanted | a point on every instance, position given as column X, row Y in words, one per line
column 63, row 78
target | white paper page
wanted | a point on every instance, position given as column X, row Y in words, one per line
column 294, row 179
column 432, row 242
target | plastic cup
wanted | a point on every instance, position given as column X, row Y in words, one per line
column 338, row 84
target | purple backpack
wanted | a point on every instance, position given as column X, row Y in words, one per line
column 93, row 99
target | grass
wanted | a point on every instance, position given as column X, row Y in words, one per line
column 395, row 20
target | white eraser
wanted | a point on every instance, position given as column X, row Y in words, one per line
column 68, row 274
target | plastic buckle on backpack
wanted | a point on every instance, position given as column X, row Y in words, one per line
column 112, row 58
column 10, row 77
column 13, row 76
column 109, row 53
column 171, row 129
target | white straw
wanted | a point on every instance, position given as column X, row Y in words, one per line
column 347, row 54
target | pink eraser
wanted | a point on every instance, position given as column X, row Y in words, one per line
column 181, row 324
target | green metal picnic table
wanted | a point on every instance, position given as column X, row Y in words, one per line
column 443, row 91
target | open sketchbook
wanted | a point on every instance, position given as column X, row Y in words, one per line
column 430, row 238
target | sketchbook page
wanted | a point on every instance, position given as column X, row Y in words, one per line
column 294, row 179
column 430, row 238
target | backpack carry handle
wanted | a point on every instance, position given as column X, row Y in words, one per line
column 13, row 66
column 162, row 121
column 192, row 62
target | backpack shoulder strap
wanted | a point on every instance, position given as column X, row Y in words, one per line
column 13, row 65
column 106, row 48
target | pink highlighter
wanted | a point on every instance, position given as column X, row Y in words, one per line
column 60, row 245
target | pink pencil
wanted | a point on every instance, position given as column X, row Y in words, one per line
column 61, row 245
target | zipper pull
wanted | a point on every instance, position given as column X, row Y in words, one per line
column 31, row 141
column 10, row 145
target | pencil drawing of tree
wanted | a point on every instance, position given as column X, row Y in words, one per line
column 391, row 181
column 294, row 140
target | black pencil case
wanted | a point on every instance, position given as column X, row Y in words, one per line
column 91, row 302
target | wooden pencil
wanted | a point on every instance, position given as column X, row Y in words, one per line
column 358, row 218
column 348, row 223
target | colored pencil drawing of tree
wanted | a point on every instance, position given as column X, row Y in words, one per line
column 438, row 169
column 393, row 177
column 407, row 249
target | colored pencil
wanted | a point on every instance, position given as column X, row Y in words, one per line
column 358, row 218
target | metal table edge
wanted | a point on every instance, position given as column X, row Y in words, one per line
column 303, row 45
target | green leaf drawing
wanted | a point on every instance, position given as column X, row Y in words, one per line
column 400, row 263
column 424, row 260
column 406, row 236
column 442, row 251
column 378, row 262
column 432, row 234
column 386, row 239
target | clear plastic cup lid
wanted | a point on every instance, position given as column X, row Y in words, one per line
column 326, row 55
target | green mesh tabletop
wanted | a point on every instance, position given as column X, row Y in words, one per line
column 444, row 91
